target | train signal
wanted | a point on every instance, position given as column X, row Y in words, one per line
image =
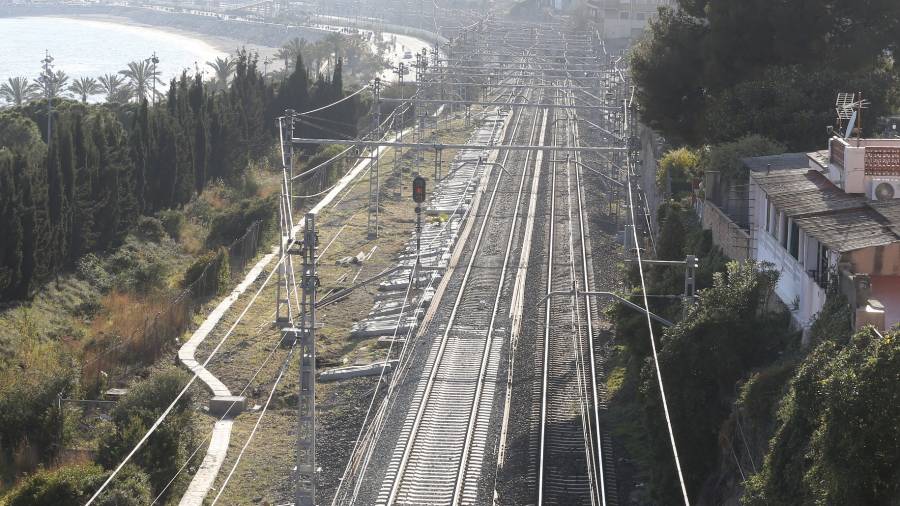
column 692, row 262
column 419, row 189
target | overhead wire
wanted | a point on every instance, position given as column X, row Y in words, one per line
column 178, row 397
column 224, row 415
column 659, row 379
column 284, row 367
column 399, row 372
column 344, row 99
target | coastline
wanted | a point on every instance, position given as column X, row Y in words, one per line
column 224, row 44
column 260, row 37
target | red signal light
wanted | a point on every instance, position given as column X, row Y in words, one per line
column 419, row 189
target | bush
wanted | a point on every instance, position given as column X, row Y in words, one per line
column 838, row 441
column 196, row 269
column 90, row 268
column 138, row 268
column 29, row 386
column 725, row 335
column 73, row 485
column 232, row 223
column 726, row 157
column 172, row 220
column 223, row 275
column 150, row 229
column 680, row 168
column 173, row 440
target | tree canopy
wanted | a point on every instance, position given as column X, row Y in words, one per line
column 714, row 70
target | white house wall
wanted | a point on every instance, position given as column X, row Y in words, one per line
column 794, row 284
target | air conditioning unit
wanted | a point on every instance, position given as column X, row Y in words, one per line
column 884, row 188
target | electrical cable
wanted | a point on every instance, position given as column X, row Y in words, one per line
column 227, row 412
column 165, row 413
column 284, row 367
column 659, row 379
column 348, row 97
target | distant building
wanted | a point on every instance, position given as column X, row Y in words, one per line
column 624, row 19
column 826, row 220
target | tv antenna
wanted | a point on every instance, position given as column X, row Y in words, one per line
column 849, row 108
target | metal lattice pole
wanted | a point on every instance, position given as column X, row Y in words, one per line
column 282, row 291
column 306, row 421
column 374, row 179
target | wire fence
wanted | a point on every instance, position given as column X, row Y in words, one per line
column 152, row 335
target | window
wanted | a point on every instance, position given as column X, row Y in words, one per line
column 768, row 215
column 795, row 240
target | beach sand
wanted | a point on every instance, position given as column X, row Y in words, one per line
column 221, row 43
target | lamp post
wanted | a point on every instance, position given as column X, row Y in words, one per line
column 47, row 78
column 154, row 60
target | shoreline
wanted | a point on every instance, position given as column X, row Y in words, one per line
column 220, row 43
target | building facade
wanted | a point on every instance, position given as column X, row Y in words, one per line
column 826, row 221
column 624, row 19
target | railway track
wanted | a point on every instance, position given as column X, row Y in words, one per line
column 574, row 454
column 441, row 437
column 446, row 433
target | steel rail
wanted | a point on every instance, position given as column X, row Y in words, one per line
column 556, row 361
column 586, row 282
column 432, row 376
column 481, row 373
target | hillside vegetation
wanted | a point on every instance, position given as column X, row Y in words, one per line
column 119, row 230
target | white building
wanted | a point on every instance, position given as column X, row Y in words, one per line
column 624, row 19
column 829, row 219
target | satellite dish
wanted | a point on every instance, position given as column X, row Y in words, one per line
column 884, row 191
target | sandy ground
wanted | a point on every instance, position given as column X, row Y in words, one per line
column 402, row 44
column 221, row 43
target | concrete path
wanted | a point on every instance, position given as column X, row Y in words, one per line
column 221, row 436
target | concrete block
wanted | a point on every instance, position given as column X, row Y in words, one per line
column 356, row 371
column 220, row 404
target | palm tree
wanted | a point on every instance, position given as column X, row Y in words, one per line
column 51, row 84
column 336, row 42
column 17, row 90
column 223, row 68
column 141, row 76
column 115, row 88
column 289, row 51
column 84, row 87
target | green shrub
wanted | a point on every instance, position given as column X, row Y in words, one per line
column 725, row 335
column 170, row 445
column 223, row 275
column 139, row 269
column 726, row 157
column 678, row 167
column 74, row 484
column 838, row 440
column 172, row 220
column 150, row 229
column 233, row 222
column 196, row 269
column 90, row 268
column 38, row 372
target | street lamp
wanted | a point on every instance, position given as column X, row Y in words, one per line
column 153, row 60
